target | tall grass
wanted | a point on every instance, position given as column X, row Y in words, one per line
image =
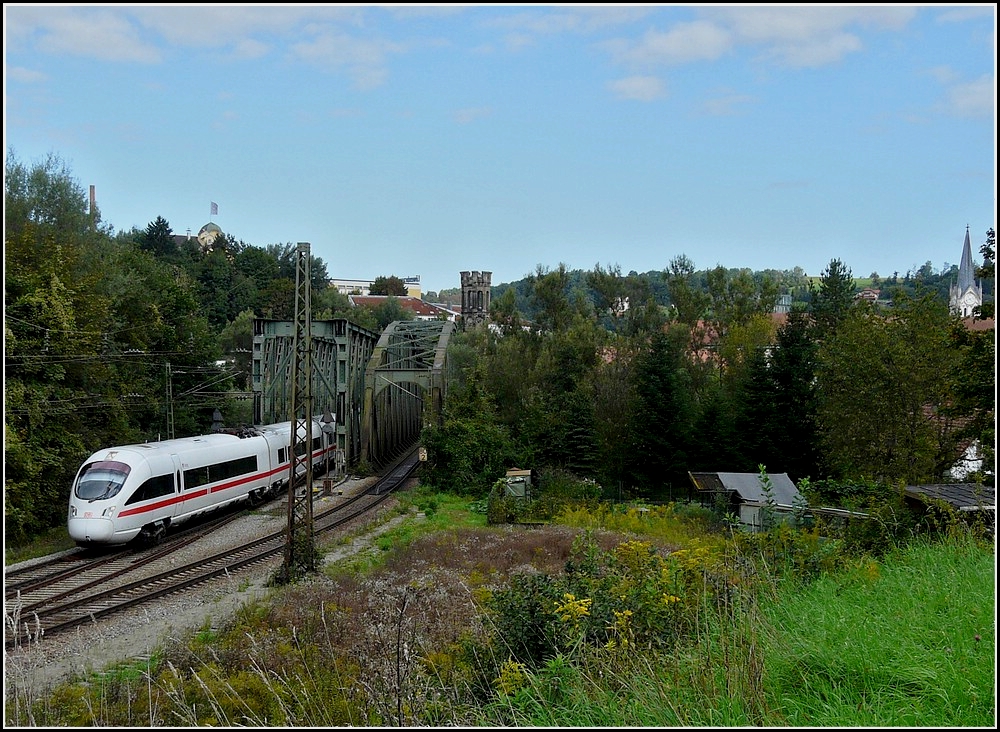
column 910, row 641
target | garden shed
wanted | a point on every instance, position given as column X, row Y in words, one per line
column 518, row 483
column 969, row 499
column 743, row 494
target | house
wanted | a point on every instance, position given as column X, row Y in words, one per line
column 868, row 294
column 743, row 494
column 421, row 309
column 363, row 287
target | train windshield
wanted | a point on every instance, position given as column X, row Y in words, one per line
column 101, row 480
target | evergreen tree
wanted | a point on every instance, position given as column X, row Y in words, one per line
column 792, row 371
column 666, row 414
column 833, row 298
column 158, row 239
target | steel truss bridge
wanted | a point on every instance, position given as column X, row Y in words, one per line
column 404, row 386
column 379, row 390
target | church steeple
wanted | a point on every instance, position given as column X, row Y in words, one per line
column 965, row 296
column 966, row 270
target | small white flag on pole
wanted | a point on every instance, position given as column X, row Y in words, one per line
column 215, row 209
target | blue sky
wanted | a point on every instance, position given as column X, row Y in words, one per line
column 426, row 140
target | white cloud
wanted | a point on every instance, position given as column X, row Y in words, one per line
column 641, row 88
column 684, row 42
column 974, row 98
column 364, row 60
column 221, row 25
column 23, row 75
column 796, row 36
column 960, row 14
column 727, row 105
column 249, row 49
column 465, row 116
column 104, row 34
column 818, row 52
column 798, row 25
column 943, row 74
column 581, row 19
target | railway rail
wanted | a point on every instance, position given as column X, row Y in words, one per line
column 46, row 616
column 72, row 568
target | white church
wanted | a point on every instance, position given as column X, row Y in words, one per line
column 966, row 294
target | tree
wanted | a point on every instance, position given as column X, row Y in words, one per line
column 737, row 297
column 389, row 311
column 550, row 297
column 690, row 303
column 158, row 239
column 988, row 271
column 833, row 299
column 85, row 312
column 391, row 285
column 665, row 413
column 776, row 404
column 504, row 313
column 884, row 390
column 611, row 385
column 470, row 450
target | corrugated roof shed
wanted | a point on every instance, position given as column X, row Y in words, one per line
column 963, row 496
column 747, row 486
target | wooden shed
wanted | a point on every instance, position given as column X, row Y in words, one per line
column 518, row 483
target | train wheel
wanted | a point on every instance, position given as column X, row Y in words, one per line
column 152, row 534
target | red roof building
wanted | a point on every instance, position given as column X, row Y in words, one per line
column 421, row 309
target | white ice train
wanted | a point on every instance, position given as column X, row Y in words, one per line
column 121, row 493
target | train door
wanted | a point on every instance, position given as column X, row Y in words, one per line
column 175, row 459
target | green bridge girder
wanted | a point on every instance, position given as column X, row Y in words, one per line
column 404, row 386
column 381, row 389
column 340, row 354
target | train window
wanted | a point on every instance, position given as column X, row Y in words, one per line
column 161, row 485
column 219, row 471
column 195, row 477
column 101, row 480
column 232, row 468
column 282, row 455
column 317, row 443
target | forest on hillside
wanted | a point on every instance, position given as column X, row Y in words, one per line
column 694, row 374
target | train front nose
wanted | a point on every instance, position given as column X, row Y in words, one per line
column 91, row 530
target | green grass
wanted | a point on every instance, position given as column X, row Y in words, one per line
column 910, row 642
column 54, row 540
column 441, row 512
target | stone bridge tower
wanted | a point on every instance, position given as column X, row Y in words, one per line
column 475, row 298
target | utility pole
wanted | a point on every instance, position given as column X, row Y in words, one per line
column 170, row 404
column 300, row 551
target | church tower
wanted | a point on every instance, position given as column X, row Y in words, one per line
column 965, row 294
column 475, row 298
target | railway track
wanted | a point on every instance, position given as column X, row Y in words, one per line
column 57, row 611
column 78, row 566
